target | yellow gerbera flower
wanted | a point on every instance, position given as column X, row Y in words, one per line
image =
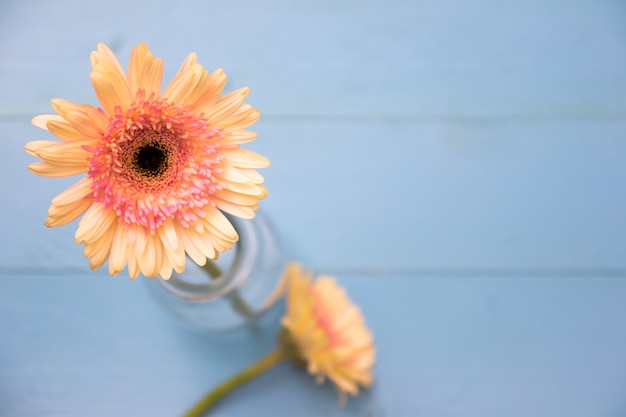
column 322, row 330
column 327, row 331
column 160, row 166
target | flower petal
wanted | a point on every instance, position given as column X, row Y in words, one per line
column 186, row 87
column 90, row 121
column 76, row 192
column 95, row 223
column 63, row 153
column 54, row 170
column 63, row 107
column 118, row 257
column 188, row 239
column 237, row 198
column 215, row 84
column 98, row 251
column 70, row 204
column 133, row 264
column 81, row 121
column 103, row 53
column 145, row 71
column 234, row 209
column 174, row 250
column 248, row 189
column 42, row 120
column 244, row 158
column 190, row 60
column 239, row 137
column 227, row 105
column 151, row 258
column 217, row 219
column 64, row 131
column 197, row 246
column 240, row 119
column 62, row 215
column 111, row 87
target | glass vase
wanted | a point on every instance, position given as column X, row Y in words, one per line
column 245, row 291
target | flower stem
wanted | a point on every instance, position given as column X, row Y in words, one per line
column 212, row 269
column 238, row 303
column 266, row 363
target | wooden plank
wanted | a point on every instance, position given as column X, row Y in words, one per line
column 450, row 196
column 477, row 346
column 400, row 57
column 378, row 196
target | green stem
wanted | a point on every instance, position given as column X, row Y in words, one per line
column 238, row 303
column 266, row 363
column 212, row 269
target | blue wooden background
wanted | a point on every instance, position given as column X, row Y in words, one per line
column 459, row 166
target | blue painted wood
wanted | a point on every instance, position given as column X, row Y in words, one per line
column 459, row 165
column 451, row 196
column 399, row 57
column 476, row 346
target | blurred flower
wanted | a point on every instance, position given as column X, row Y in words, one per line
column 322, row 330
column 161, row 167
column 327, row 331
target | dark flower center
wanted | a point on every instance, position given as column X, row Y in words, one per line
column 151, row 159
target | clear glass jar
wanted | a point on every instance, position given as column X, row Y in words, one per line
column 245, row 294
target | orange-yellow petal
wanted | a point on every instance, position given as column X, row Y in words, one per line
column 145, row 71
column 239, row 137
column 86, row 119
column 174, row 251
column 190, row 60
column 212, row 94
column 197, row 247
column 70, row 204
column 64, row 131
column 150, row 260
column 118, row 259
column 103, row 53
column 69, row 153
column 78, row 191
column 99, row 250
column 42, row 120
column 54, row 170
column 58, row 126
column 186, row 87
column 111, row 87
column 244, row 158
column 241, row 119
column 95, row 223
column 227, row 105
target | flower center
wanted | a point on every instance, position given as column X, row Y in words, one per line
column 150, row 155
column 151, row 160
column 157, row 161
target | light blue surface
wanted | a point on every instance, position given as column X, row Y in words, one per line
column 459, row 166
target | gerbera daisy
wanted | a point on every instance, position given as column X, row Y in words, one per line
column 327, row 332
column 160, row 166
column 322, row 331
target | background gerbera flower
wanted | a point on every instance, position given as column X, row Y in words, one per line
column 322, row 330
column 160, row 166
column 327, row 331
